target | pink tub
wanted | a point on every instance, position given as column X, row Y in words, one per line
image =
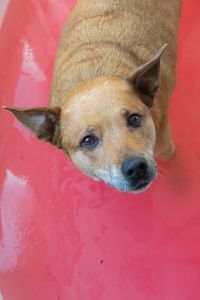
column 65, row 237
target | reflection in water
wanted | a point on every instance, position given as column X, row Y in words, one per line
column 3, row 7
column 13, row 198
column 1, row 297
column 29, row 64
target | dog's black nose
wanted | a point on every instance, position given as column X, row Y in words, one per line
column 135, row 168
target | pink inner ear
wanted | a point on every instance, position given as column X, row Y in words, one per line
column 43, row 122
column 35, row 122
column 148, row 84
column 146, row 77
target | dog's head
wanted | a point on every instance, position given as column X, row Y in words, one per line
column 105, row 127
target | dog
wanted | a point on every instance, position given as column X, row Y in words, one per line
column 114, row 75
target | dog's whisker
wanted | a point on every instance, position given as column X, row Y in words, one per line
column 163, row 171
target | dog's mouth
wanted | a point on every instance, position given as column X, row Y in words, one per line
column 136, row 188
column 142, row 186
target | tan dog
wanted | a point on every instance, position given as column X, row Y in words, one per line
column 110, row 95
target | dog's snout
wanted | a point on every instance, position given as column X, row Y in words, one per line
column 134, row 168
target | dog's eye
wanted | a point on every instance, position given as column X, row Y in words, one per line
column 135, row 120
column 89, row 141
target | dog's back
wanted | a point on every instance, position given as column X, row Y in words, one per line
column 112, row 37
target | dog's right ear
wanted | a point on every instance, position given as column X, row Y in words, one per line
column 42, row 121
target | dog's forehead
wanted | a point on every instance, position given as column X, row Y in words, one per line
column 103, row 97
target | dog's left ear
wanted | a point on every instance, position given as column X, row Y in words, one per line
column 146, row 78
column 42, row 121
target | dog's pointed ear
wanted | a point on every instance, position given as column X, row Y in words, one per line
column 146, row 79
column 42, row 121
